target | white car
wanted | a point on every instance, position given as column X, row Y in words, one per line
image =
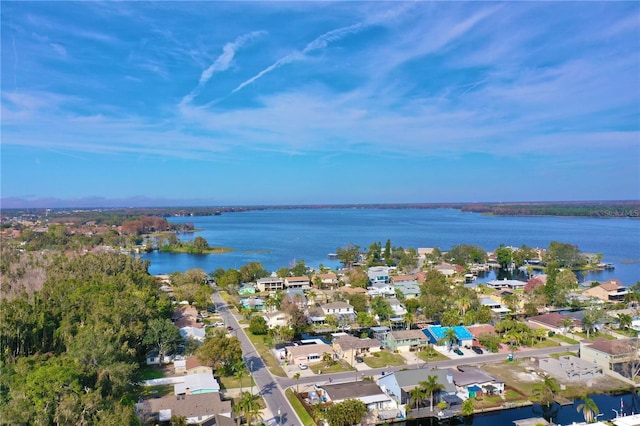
column 303, row 366
column 218, row 324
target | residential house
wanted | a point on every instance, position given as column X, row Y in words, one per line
column 405, row 340
column 378, row 403
column 472, row 382
column 196, row 333
column 349, row 347
column 378, row 275
column 398, row 385
column 506, row 284
column 246, row 290
column 410, row 290
column 496, row 307
column 616, row 357
column 197, row 409
column 190, row 365
column 297, row 296
column 403, row 279
column 254, row 303
column 302, row 282
column 153, row 358
column 272, row 283
column 436, row 335
column 277, row 319
column 381, row 289
column 556, row 322
column 480, row 329
column 397, row 307
column 342, row 311
column 326, row 280
column 197, row 383
column 446, row 269
column 348, row 290
column 307, row 354
column 611, row 291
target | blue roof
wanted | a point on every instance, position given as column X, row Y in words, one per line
column 437, row 332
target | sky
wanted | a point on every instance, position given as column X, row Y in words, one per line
column 252, row 103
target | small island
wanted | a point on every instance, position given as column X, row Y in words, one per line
column 198, row 246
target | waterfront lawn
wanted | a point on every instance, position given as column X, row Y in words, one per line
column 384, row 359
column 430, row 355
column 565, row 339
column 304, row 415
column 267, row 356
column 335, row 367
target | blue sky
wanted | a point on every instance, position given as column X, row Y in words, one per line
column 236, row 103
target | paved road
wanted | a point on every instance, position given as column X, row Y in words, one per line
column 483, row 359
column 272, row 388
column 265, row 383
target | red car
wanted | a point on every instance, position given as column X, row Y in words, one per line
column 229, row 328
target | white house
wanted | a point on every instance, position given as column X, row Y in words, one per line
column 298, row 282
column 277, row 318
column 337, row 308
column 398, row 308
column 193, row 333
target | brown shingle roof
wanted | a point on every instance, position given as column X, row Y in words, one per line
column 477, row 330
column 408, row 334
column 351, row 342
column 612, row 347
column 190, row 405
column 554, row 319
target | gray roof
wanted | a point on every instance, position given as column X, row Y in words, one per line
column 190, row 405
column 360, row 389
column 464, row 375
column 409, row 379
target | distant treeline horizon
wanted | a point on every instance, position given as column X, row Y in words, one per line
column 599, row 209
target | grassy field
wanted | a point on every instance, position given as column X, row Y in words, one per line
column 156, row 391
column 305, row 417
column 336, row 367
column 230, row 382
column 558, row 355
column 384, row 359
column 565, row 339
column 431, row 355
column 546, row 343
column 266, row 355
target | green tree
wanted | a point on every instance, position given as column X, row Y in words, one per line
column 465, row 254
column 358, row 301
column 624, row 321
column 564, row 255
column 417, row 395
column 346, row 413
column 544, row 392
column 504, row 256
column 252, row 271
column 220, row 352
column 589, row 409
column 451, row 318
column 348, row 255
column 299, row 269
column 467, row 407
column 258, row 326
column 382, row 308
column 200, row 245
column 430, row 386
column 163, row 336
column 249, row 406
column 297, row 379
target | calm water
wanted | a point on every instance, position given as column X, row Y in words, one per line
column 564, row 415
column 278, row 238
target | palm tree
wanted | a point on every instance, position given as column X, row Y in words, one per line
column 408, row 319
column 451, row 337
column 567, row 323
column 467, row 407
column 417, row 395
column 249, row 406
column 540, row 333
column 297, row 377
column 624, row 321
column 589, row 409
column 546, row 390
column 430, row 386
column 588, row 323
column 463, row 303
column 240, row 370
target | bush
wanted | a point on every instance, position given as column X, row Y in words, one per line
column 551, row 333
column 258, row 326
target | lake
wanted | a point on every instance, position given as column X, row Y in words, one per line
column 278, row 238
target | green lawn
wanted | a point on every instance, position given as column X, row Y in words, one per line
column 558, row 355
column 431, row 355
column 593, row 336
column 266, row 355
column 149, row 372
column 565, row 339
column 230, row 382
column 546, row 343
column 304, row 415
column 336, row 367
column 156, row 391
column 383, row 359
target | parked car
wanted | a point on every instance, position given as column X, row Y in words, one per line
column 303, row 366
column 359, row 359
column 477, row 349
column 218, row 324
column 229, row 328
column 458, row 352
